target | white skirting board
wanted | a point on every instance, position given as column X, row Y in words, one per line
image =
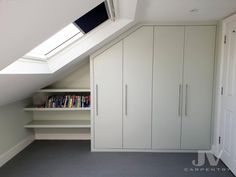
column 151, row 150
column 5, row 157
column 214, row 150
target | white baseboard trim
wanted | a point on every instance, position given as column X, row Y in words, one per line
column 214, row 150
column 5, row 157
column 151, row 150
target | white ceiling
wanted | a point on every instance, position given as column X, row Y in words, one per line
column 25, row 23
column 179, row 10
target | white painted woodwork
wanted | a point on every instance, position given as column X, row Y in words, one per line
column 228, row 100
column 198, row 85
column 137, row 88
column 62, row 123
column 108, row 98
column 56, row 109
column 140, row 96
column 63, row 90
column 167, row 87
column 58, row 124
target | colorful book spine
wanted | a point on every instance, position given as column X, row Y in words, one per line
column 67, row 101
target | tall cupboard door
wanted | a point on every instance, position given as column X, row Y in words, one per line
column 167, row 87
column 137, row 89
column 198, row 83
column 108, row 98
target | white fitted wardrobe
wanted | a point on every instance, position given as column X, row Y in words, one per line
column 152, row 90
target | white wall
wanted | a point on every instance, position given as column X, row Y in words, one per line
column 79, row 78
column 12, row 121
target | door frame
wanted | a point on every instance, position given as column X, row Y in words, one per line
column 222, row 29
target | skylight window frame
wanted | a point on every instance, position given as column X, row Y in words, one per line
column 57, row 48
column 110, row 9
column 64, row 43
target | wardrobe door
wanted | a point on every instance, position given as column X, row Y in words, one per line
column 137, row 89
column 108, row 98
column 167, row 87
column 198, row 83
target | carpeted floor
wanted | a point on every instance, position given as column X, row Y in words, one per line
column 74, row 159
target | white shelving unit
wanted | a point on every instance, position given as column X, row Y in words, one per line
column 46, row 118
column 56, row 109
column 63, row 90
column 58, row 124
column 32, row 108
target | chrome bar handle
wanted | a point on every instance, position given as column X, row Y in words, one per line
column 180, row 100
column 186, row 100
column 97, row 100
column 126, row 99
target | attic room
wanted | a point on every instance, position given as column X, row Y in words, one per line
column 116, row 88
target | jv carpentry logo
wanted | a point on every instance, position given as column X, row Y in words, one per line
column 206, row 162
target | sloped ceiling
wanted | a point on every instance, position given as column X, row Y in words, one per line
column 26, row 23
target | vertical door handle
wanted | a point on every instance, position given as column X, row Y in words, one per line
column 126, row 99
column 97, row 100
column 186, row 100
column 180, row 100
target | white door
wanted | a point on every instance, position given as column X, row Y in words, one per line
column 198, row 84
column 228, row 104
column 167, row 87
column 138, row 58
column 108, row 98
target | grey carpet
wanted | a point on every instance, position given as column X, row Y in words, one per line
column 74, row 159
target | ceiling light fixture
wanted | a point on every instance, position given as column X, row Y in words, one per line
column 195, row 10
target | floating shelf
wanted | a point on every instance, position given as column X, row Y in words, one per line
column 56, row 109
column 63, row 90
column 59, row 124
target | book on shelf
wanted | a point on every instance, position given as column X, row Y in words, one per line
column 67, row 101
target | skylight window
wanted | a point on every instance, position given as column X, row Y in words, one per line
column 55, row 43
column 38, row 59
column 72, row 32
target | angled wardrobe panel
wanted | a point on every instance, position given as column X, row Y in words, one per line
column 108, row 98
